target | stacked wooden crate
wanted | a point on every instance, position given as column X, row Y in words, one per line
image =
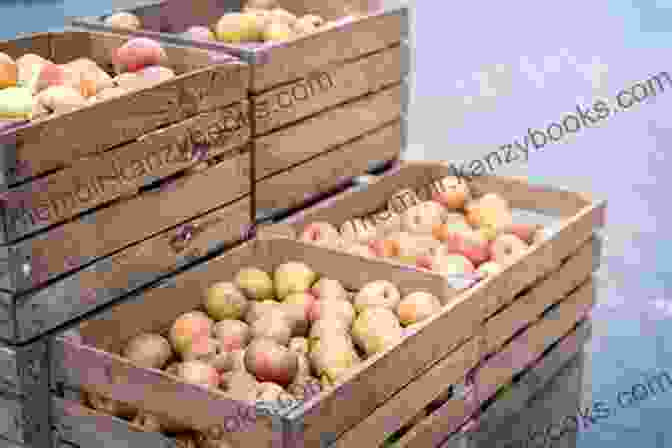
column 481, row 340
column 324, row 108
column 107, row 198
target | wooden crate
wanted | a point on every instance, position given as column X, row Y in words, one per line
column 324, row 100
column 203, row 85
column 105, row 212
column 77, row 424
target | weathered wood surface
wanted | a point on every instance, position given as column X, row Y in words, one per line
column 200, row 87
column 296, row 186
column 76, row 243
column 100, row 179
column 298, row 143
column 281, row 62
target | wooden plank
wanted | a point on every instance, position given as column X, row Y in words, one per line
column 500, row 369
column 528, row 308
column 297, row 185
column 132, row 115
column 401, row 408
column 331, row 85
column 537, row 377
column 304, row 55
column 535, row 340
column 37, row 43
column 72, row 245
column 100, row 179
column 297, row 143
column 416, row 175
column 112, row 277
column 163, row 394
column 86, row 428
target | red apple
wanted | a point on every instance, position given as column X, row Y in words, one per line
column 523, row 231
column 469, row 243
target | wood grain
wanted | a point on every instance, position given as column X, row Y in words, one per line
column 500, row 369
column 297, row 143
column 298, row 185
column 331, row 85
column 295, row 59
column 110, row 278
column 100, row 179
column 103, row 125
column 67, row 247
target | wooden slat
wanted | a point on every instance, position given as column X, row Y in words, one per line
column 293, row 60
column 100, row 179
column 331, row 85
column 537, row 338
column 297, row 185
column 297, row 143
column 500, row 369
column 528, row 308
column 160, row 393
column 125, row 118
column 108, row 279
column 67, row 247
column 401, row 408
column 38, row 43
column 404, row 406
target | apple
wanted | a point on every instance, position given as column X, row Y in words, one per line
column 123, row 20
column 56, row 75
column 451, row 192
column 224, row 300
column 417, row 307
column 489, row 268
column 269, row 361
column 507, row 248
column 304, row 300
column 329, row 288
column 384, row 248
column 149, row 350
column 490, row 210
column 469, row 243
column 258, row 309
column 402, row 200
column 332, row 310
column 523, row 231
column 333, row 357
column 327, row 328
column 357, row 230
column 138, row 53
column 421, row 218
column 452, row 265
column 255, row 283
column 204, row 349
column 292, row 277
column 376, row 329
column 426, row 262
column 198, row 372
column 381, row 293
column 232, row 334
column 187, row 327
column 277, row 325
column 322, row 234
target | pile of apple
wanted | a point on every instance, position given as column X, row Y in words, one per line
column 452, row 233
column 32, row 87
column 269, row 337
column 260, row 21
